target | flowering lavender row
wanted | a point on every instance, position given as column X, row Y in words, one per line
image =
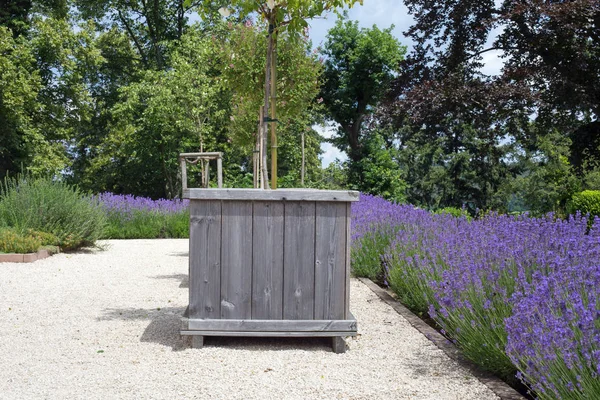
column 127, row 204
column 484, row 282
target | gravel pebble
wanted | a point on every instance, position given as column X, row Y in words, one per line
column 104, row 324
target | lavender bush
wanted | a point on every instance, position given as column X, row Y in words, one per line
column 131, row 217
column 472, row 276
column 554, row 332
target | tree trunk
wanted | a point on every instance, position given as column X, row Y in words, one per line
column 273, row 63
column 265, row 124
column 303, row 163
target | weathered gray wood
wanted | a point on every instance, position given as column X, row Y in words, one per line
column 204, row 258
column 267, row 261
column 263, row 334
column 184, row 180
column 197, row 341
column 205, row 155
column 250, row 325
column 236, row 260
column 299, row 261
column 330, row 261
column 220, row 172
column 338, row 345
column 348, row 258
column 272, row 195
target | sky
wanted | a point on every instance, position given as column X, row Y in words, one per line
column 382, row 13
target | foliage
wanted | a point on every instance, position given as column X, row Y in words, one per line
column 297, row 84
column 586, row 202
column 359, row 67
column 131, row 217
column 166, row 113
column 54, row 207
column 19, row 87
column 290, row 15
column 149, row 25
column 12, row 241
column 380, row 171
column 475, row 279
column 464, row 129
column 546, row 179
column 454, row 211
column 334, row 176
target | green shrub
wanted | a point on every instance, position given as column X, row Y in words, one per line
column 586, row 202
column 68, row 217
column 12, row 241
column 454, row 211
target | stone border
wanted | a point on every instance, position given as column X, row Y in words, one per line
column 24, row 258
column 495, row 384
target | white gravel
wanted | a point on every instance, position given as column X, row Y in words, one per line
column 105, row 325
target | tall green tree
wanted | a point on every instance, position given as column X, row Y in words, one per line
column 20, row 84
column 551, row 52
column 360, row 65
column 166, row 113
column 150, row 24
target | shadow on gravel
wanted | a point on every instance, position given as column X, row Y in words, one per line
column 312, row 344
column 165, row 324
column 185, row 282
column 180, row 254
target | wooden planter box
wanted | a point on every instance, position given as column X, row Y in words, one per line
column 269, row 263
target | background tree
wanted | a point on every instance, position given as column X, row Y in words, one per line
column 359, row 67
column 166, row 113
column 441, row 91
column 20, row 84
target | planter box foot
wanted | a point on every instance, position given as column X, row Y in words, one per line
column 197, row 342
column 338, row 344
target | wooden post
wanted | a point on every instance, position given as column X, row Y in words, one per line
column 303, row 166
column 262, row 149
column 182, row 162
column 220, row 172
column 273, row 84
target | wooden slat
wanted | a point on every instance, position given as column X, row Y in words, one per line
column 204, row 155
column 272, row 195
column 236, row 259
column 219, row 173
column 184, row 180
column 267, row 261
column 265, row 334
column 330, row 261
column 251, row 325
column 348, row 245
column 205, row 253
column 299, row 259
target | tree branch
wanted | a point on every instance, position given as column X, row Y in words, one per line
column 134, row 38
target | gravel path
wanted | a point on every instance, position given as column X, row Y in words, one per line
column 105, row 325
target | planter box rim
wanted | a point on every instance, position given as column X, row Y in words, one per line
column 272, row 195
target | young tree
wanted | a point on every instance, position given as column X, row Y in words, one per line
column 280, row 15
column 297, row 86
